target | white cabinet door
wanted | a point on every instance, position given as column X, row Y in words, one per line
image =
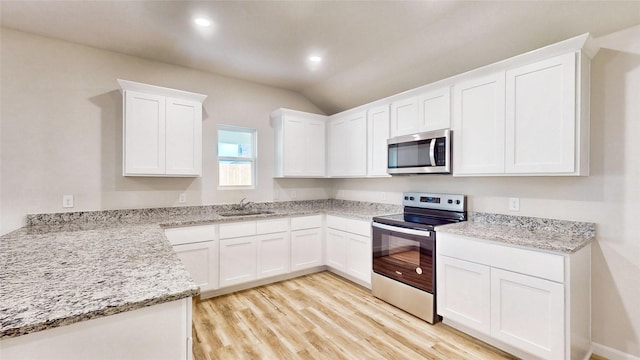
column 479, row 127
column 528, row 313
column 273, row 254
column 183, row 137
column 378, row 133
column 357, row 140
column 541, row 117
column 336, row 249
column 359, row 257
column 294, row 138
column 348, row 145
column 404, row 117
column 144, row 134
column 464, row 293
column 201, row 261
column 306, row 249
column 338, row 164
column 237, row 260
column 434, row 110
column 314, row 140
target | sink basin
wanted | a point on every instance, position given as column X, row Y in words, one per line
column 245, row 212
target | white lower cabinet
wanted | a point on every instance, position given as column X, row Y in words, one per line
column 306, row 242
column 306, row 249
column 464, row 292
column 237, row 260
column 336, row 249
column 197, row 247
column 273, row 254
column 359, row 257
column 531, row 303
column 348, row 247
column 201, row 261
column 528, row 312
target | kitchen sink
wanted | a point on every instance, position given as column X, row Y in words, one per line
column 245, row 212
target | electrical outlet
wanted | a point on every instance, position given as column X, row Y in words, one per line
column 514, row 204
column 293, row 194
column 67, row 201
column 182, row 198
column 383, row 196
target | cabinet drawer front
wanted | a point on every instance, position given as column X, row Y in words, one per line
column 306, row 222
column 272, row 226
column 337, row 222
column 238, row 229
column 359, row 227
column 530, row 262
column 191, row 234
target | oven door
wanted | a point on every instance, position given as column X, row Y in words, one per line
column 405, row 255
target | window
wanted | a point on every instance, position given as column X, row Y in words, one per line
column 236, row 157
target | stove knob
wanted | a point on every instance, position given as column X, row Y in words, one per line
column 412, row 198
column 450, row 201
column 406, row 198
column 457, row 202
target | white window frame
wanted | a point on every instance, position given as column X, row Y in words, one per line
column 253, row 159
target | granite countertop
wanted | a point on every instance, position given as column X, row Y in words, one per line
column 69, row 267
column 552, row 235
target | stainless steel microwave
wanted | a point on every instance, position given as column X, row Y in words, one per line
column 422, row 153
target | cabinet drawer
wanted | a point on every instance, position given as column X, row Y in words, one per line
column 337, row 222
column 191, row 234
column 306, row 222
column 272, row 226
column 529, row 262
column 233, row 230
column 359, row 227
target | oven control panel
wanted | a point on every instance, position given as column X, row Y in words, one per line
column 450, row 202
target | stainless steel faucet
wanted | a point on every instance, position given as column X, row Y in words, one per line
column 243, row 205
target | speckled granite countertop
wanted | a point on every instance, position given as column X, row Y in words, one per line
column 546, row 234
column 69, row 267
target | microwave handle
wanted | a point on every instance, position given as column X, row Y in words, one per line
column 432, row 152
column 402, row 230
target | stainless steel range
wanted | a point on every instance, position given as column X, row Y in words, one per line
column 404, row 248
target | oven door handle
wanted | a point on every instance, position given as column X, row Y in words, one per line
column 402, row 230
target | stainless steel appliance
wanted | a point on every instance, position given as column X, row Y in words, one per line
column 422, row 153
column 404, row 248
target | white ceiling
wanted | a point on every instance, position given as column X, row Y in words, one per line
column 372, row 49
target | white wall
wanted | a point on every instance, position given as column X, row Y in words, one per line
column 610, row 197
column 61, row 128
column 61, row 133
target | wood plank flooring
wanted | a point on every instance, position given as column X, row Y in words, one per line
column 322, row 316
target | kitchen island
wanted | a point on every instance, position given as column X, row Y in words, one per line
column 79, row 268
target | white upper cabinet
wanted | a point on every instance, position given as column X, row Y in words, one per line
column 529, row 118
column 434, row 110
column 300, row 143
column 162, row 131
column 429, row 110
column 377, row 135
column 541, row 117
column 348, row 145
column 404, row 117
column 478, row 126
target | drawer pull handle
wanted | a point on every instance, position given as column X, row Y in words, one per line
column 398, row 272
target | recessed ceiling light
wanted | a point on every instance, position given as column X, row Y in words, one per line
column 315, row 59
column 202, row 22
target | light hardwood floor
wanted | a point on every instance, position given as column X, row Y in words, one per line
column 322, row 316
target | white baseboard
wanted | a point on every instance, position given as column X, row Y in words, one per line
column 611, row 353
